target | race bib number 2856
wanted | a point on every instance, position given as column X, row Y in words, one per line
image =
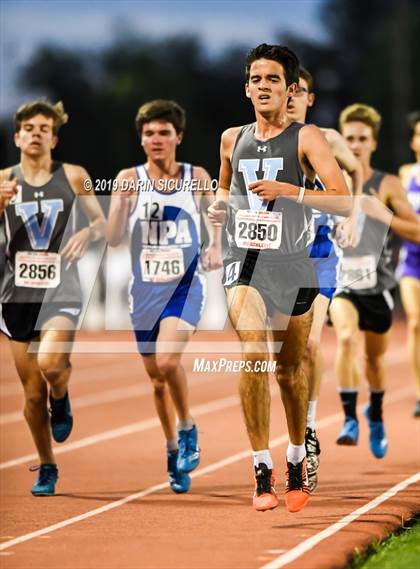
column 37, row 269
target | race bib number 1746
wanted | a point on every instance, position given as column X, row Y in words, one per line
column 161, row 265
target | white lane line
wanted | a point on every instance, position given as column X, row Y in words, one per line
column 109, row 396
column 154, row 422
column 311, row 542
column 322, row 423
column 142, row 389
column 215, row 405
column 153, row 489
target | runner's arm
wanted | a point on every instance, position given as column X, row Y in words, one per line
column 314, row 151
column 314, row 148
column 77, row 177
column 119, row 211
column 206, row 199
column 346, row 159
column 8, row 189
column 78, row 243
column 347, row 230
column 217, row 211
column 404, row 222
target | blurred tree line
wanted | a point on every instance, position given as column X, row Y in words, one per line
column 369, row 58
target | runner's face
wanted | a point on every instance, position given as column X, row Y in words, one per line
column 299, row 103
column 360, row 139
column 415, row 141
column 159, row 140
column 36, row 136
column 267, row 86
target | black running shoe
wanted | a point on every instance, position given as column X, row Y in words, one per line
column 61, row 418
column 313, row 451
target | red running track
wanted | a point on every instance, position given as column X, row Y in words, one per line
column 114, row 509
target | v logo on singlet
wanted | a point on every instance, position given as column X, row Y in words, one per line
column 39, row 235
column 249, row 168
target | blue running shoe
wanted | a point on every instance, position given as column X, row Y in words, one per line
column 189, row 453
column 377, row 437
column 61, row 418
column 47, row 477
column 350, row 432
column 178, row 481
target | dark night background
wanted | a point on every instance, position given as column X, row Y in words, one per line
column 368, row 56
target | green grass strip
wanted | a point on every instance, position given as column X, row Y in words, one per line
column 399, row 551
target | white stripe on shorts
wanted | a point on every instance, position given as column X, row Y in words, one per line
column 388, row 299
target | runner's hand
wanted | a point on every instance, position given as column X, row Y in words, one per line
column 212, row 258
column 77, row 245
column 217, row 213
column 347, row 233
column 269, row 190
column 8, row 190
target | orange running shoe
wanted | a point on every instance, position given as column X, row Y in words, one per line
column 265, row 497
column 297, row 486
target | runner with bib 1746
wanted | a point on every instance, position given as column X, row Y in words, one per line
column 159, row 203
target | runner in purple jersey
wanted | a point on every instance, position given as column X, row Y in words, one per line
column 410, row 265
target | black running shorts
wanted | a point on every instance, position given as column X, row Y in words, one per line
column 375, row 310
column 287, row 283
column 22, row 322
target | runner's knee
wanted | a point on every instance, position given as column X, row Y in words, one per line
column 310, row 351
column 414, row 325
column 159, row 386
column 253, row 359
column 347, row 339
column 167, row 366
column 254, row 349
column 374, row 363
column 35, row 399
column 286, row 373
column 51, row 366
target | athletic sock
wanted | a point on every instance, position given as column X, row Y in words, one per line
column 310, row 418
column 349, row 401
column 172, row 445
column 295, row 453
column 186, row 425
column 375, row 407
column 263, row 456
